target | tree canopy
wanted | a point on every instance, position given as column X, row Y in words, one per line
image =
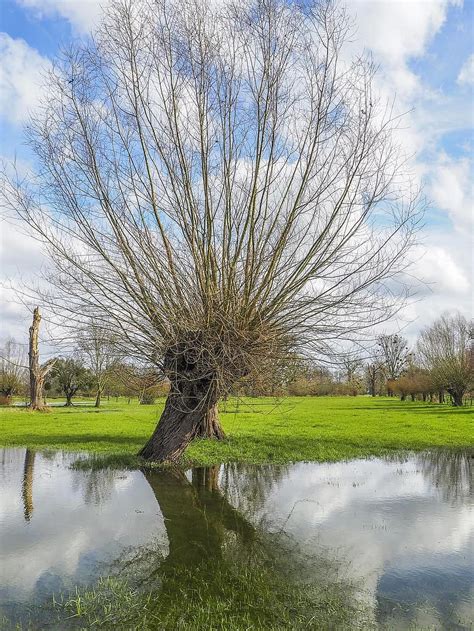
column 218, row 185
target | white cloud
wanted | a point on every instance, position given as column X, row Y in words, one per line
column 21, row 69
column 395, row 32
column 445, row 264
column 437, row 268
column 21, row 257
column 398, row 30
column 451, row 190
column 82, row 14
column 466, row 74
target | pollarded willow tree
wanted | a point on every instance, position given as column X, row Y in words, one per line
column 446, row 349
column 218, row 186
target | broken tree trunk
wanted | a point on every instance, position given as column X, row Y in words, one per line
column 37, row 372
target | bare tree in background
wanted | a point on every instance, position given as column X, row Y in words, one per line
column 446, row 350
column 70, row 376
column 97, row 347
column 218, row 187
column 373, row 376
column 352, row 365
column 13, row 369
column 395, row 356
column 142, row 380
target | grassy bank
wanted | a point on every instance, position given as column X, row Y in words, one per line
column 258, row 430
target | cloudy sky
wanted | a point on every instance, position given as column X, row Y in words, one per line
column 424, row 49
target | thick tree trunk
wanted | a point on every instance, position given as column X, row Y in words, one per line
column 179, row 423
column 210, row 426
column 97, row 399
column 68, row 403
column 441, row 396
column 457, row 398
column 403, row 397
column 191, row 405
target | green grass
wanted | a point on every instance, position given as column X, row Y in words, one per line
column 232, row 585
column 259, row 430
column 232, row 595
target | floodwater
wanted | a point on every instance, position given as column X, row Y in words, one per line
column 398, row 531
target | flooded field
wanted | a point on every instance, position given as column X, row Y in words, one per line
column 378, row 543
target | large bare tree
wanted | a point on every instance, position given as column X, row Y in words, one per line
column 374, row 376
column 218, row 185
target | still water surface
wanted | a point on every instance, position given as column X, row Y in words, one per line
column 401, row 529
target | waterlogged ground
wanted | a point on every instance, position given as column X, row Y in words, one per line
column 380, row 543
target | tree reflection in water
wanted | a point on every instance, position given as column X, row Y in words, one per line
column 223, row 567
column 27, row 484
column 197, row 516
column 97, row 486
column 451, row 472
column 221, row 571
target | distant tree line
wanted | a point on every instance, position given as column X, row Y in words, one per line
column 71, row 379
column 93, row 369
column 439, row 368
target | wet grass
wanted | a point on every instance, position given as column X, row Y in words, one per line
column 258, row 430
column 235, row 589
column 250, row 602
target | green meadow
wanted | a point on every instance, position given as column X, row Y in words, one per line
column 262, row 430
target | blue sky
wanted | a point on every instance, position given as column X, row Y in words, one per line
column 425, row 53
column 444, row 57
column 41, row 34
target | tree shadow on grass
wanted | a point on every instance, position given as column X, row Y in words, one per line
column 280, row 449
column 271, row 449
column 413, row 407
column 59, row 440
